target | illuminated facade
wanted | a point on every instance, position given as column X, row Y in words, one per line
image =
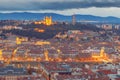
column 46, row 55
column 102, row 56
column 0, row 53
column 20, row 39
column 42, row 43
column 12, row 56
column 47, row 21
column 39, row 30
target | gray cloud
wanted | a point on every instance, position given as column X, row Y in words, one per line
column 34, row 5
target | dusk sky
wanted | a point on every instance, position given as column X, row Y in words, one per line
column 66, row 7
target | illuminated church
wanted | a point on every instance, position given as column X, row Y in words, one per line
column 47, row 21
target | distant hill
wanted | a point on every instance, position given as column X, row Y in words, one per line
column 57, row 17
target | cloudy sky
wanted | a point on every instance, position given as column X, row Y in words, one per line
column 67, row 7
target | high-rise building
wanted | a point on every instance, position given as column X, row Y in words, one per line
column 73, row 20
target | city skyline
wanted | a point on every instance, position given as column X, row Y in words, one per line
column 67, row 7
column 59, row 40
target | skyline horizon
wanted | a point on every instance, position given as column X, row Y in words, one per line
column 8, row 12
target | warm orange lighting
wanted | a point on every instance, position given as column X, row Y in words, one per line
column 39, row 30
column 20, row 39
column 12, row 56
column 47, row 21
column 46, row 55
column 1, row 54
column 102, row 57
column 42, row 43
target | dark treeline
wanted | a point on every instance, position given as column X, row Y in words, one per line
column 50, row 31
